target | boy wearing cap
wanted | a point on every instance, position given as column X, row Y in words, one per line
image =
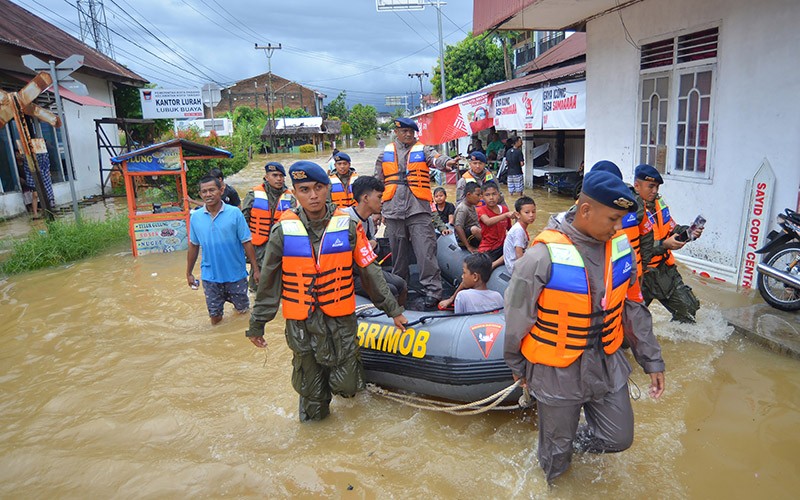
column 477, row 173
column 404, row 168
column 342, row 179
column 308, row 270
column 657, row 239
column 567, row 315
column 263, row 207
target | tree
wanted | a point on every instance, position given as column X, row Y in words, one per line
column 472, row 63
column 364, row 120
column 338, row 107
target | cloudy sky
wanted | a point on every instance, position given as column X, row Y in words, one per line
column 329, row 45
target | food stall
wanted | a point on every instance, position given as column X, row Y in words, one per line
column 155, row 183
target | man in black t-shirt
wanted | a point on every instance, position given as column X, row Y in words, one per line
column 515, row 162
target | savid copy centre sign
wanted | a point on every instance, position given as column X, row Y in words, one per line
column 757, row 222
column 171, row 103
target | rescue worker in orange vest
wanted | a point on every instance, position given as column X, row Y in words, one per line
column 263, row 207
column 342, row 179
column 308, row 269
column 477, row 173
column 629, row 226
column 404, row 168
column 566, row 317
column 658, row 238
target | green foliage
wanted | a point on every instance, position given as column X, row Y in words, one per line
column 128, row 105
column 291, row 112
column 196, row 169
column 386, row 127
column 472, row 63
column 347, row 130
column 63, row 242
column 397, row 112
column 338, row 107
column 308, row 148
column 364, row 120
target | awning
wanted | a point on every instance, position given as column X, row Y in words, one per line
column 83, row 100
column 464, row 115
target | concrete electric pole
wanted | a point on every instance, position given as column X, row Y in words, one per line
column 421, row 92
column 269, row 49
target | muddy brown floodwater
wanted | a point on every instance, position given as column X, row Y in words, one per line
column 114, row 385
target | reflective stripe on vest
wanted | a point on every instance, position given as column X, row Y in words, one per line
column 417, row 176
column 631, row 229
column 262, row 217
column 564, row 325
column 324, row 281
column 341, row 195
column 661, row 223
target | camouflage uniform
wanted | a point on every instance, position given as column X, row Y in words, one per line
column 664, row 282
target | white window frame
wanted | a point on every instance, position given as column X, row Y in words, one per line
column 674, row 72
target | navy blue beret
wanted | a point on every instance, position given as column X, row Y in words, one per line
column 405, row 123
column 647, row 173
column 341, row 157
column 608, row 189
column 477, row 155
column 274, row 166
column 607, row 166
column 307, row 171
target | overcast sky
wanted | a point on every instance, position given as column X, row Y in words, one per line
column 329, row 45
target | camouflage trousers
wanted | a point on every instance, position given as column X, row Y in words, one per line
column 665, row 284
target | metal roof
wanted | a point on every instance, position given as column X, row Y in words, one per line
column 543, row 76
column 192, row 147
column 24, row 33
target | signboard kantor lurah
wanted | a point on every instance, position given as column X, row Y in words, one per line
column 171, row 103
column 165, row 159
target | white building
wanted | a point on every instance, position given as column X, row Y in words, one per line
column 21, row 32
column 704, row 91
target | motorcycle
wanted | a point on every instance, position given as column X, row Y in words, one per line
column 779, row 271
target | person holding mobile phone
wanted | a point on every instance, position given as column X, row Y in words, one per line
column 659, row 236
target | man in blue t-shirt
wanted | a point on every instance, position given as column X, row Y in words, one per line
column 223, row 233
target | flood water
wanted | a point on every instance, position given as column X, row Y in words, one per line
column 115, row 386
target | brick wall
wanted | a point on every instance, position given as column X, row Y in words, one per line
column 252, row 92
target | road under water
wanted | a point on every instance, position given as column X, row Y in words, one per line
column 114, row 385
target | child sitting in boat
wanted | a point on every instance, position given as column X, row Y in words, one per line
column 467, row 228
column 473, row 295
column 517, row 239
column 495, row 221
column 444, row 208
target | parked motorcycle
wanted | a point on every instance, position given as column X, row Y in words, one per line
column 779, row 271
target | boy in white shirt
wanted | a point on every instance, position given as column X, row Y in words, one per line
column 517, row 239
column 474, row 296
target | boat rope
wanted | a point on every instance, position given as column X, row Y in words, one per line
column 361, row 313
column 489, row 403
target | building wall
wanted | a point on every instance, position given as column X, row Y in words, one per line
column 755, row 110
column 252, row 92
column 80, row 121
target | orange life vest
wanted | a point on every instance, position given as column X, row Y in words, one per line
column 563, row 328
column 417, row 176
column 631, row 229
column 324, row 280
column 262, row 216
column 661, row 223
column 340, row 194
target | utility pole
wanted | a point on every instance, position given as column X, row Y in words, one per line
column 421, row 92
column 269, row 49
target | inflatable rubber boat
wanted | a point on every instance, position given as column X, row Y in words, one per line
column 441, row 354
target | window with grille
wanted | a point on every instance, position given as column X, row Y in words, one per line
column 675, row 103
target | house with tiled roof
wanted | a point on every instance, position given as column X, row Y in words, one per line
column 22, row 32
